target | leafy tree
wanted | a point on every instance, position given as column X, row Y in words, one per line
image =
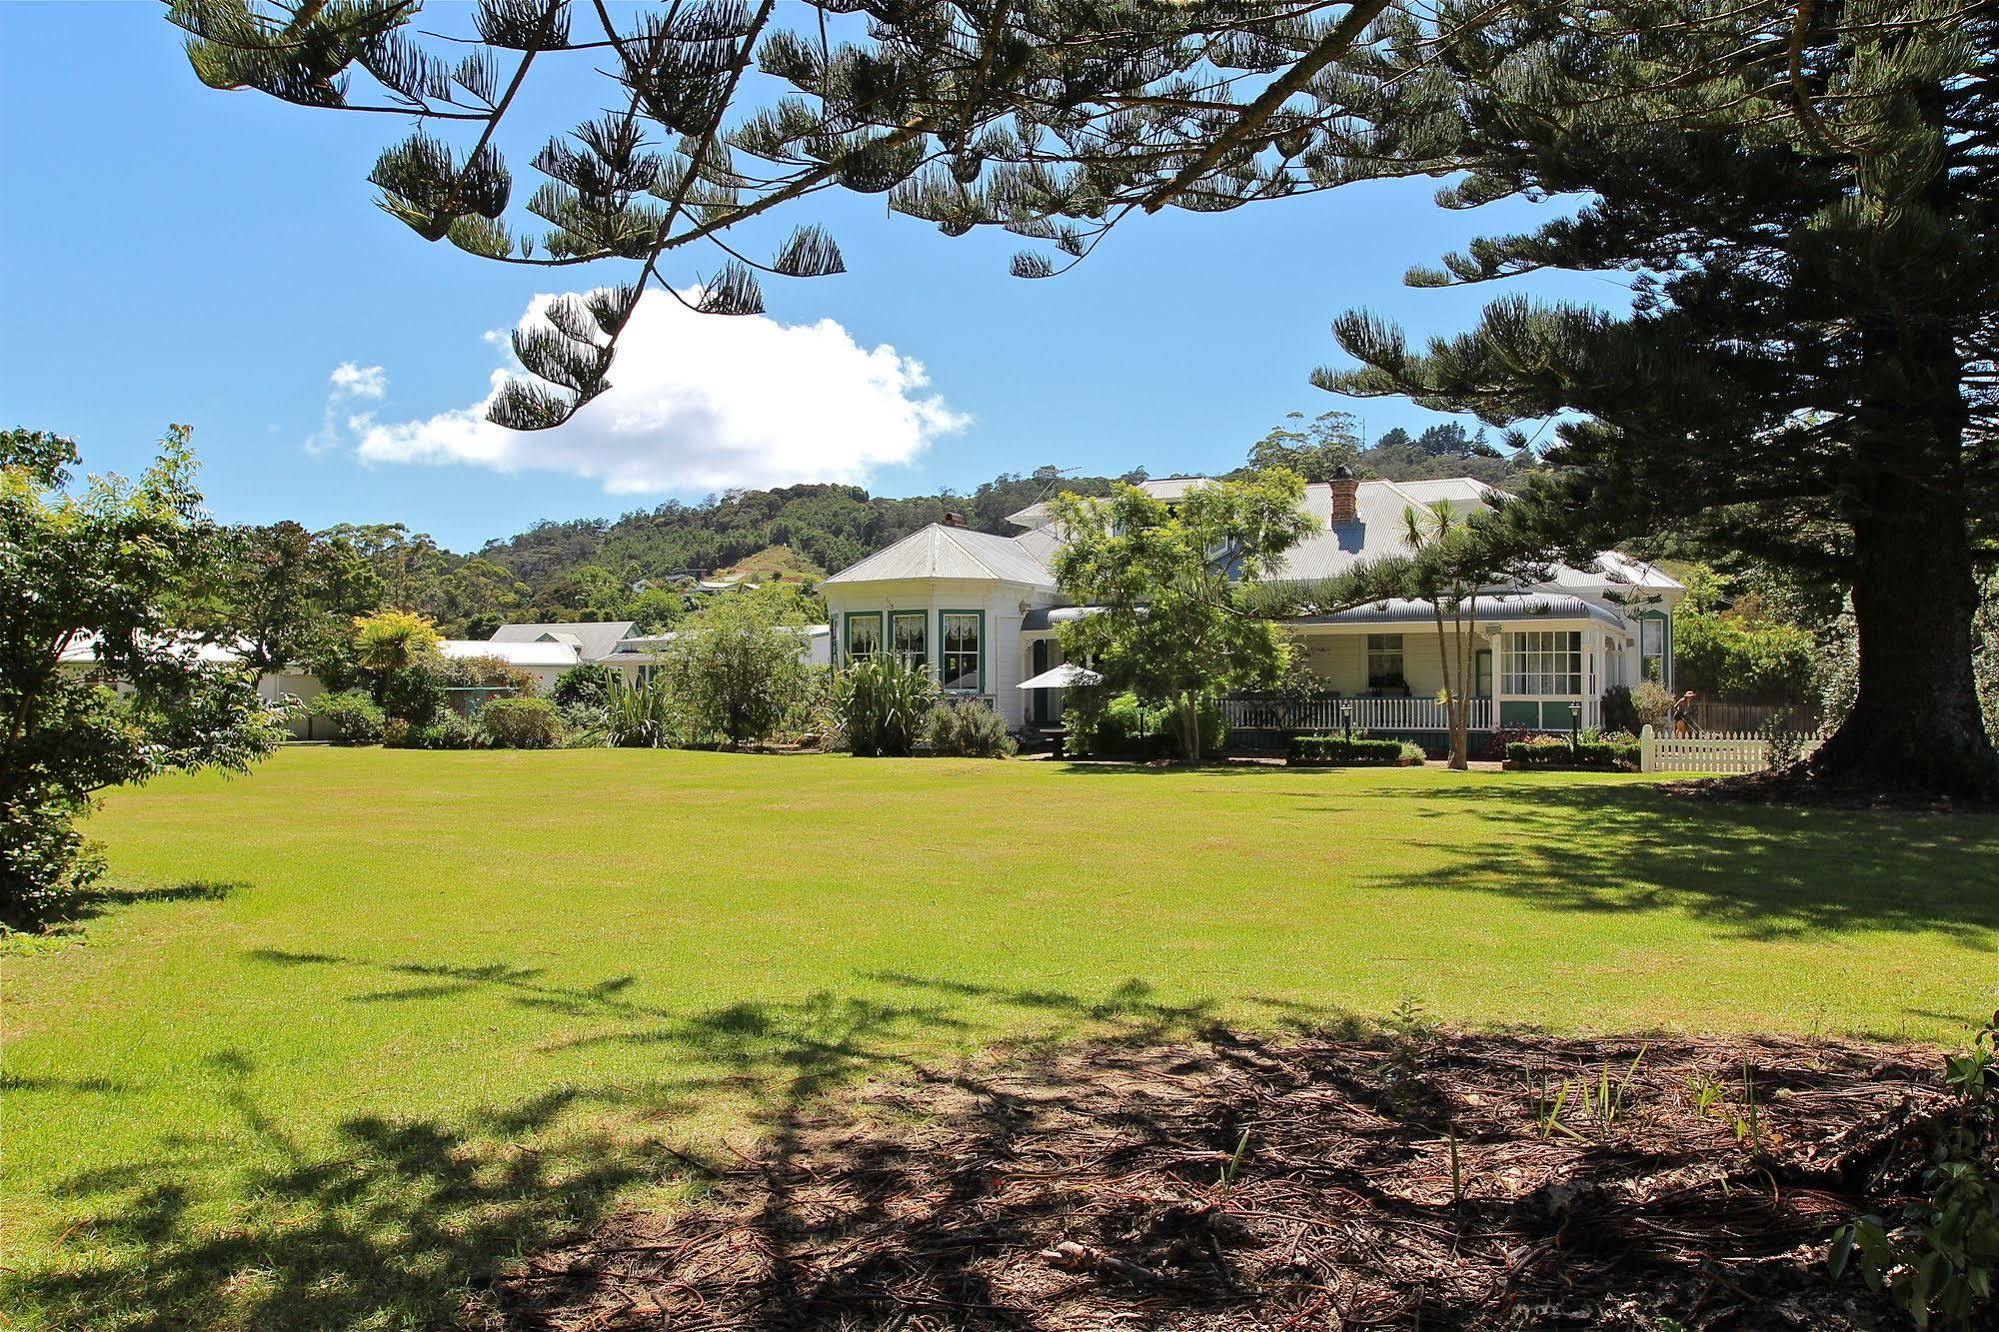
column 100, row 569
column 1315, row 450
column 739, row 665
column 587, row 685
column 285, row 593
column 1171, row 586
column 1735, row 656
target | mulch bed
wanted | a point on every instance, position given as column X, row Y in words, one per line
column 1304, row 1183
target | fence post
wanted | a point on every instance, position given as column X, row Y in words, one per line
column 1648, row 750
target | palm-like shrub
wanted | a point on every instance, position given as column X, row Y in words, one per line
column 639, row 716
column 967, row 730
column 883, row 703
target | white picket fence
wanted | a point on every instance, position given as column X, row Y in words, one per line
column 1727, row 752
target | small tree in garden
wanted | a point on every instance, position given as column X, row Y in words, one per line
column 101, row 568
column 1172, row 586
column 394, row 640
column 883, row 703
column 588, row 685
column 739, row 664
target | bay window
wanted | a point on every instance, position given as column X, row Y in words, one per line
column 1544, row 662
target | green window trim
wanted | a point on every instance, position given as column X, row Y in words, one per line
column 847, row 633
column 920, row 656
column 944, row 645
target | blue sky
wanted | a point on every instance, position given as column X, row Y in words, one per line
column 177, row 254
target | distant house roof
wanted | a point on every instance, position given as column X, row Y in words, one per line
column 938, row 551
column 545, row 653
column 1166, row 488
column 594, row 640
column 83, row 650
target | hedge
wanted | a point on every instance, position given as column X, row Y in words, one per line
column 1331, row 750
column 1594, row 755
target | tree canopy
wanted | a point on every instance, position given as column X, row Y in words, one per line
column 98, row 576
column 1172, row 585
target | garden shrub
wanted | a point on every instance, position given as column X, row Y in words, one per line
column 1619, row 712
column 1651, row 702
column 585, row 725
column 1125, row 726
column 355, row 717
column 588, row 684
column 492, row 673
column 640, row 716
column 1414, row 754
column 1344, row 751
column 447, row 730
column 967, row 730
column 1214, row 731
column 1551, row 753
column 520, row 723
column 413, row 694
column 883, row 705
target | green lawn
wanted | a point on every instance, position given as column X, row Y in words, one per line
column 368, row 1021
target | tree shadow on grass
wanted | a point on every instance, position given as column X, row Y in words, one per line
column 1765, row 873
column 402, row 1220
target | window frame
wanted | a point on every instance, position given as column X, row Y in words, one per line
column 847, row 634
column 1398, row 653
column 944, row 649
column 1532, row 658
column 921, row 657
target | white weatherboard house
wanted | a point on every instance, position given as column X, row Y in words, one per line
column 984, row 612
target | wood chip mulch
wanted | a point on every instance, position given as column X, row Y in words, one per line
column 1305, row 1183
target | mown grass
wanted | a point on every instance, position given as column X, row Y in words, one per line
column 360, row 1026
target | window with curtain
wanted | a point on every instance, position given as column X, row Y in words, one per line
column 960, row 661
column 1384, row 662
column 864, row 634
column 1652, row 647
column 909, row 637
column 1544, row 662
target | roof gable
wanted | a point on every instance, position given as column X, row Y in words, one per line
column 938, row 551
column 592, row 640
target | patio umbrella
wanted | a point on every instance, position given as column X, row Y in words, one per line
column 1066, row 676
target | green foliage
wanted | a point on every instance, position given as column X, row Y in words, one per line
column 1342, row 752
column 287, row 594
column 967, row 730
column 1172, row 584
column 355, row 716
column 739, row 666
column 394, row 640
column 102, row 569
column 412, row 694
column 520, row 723
column 1553, row 753
column 447, row 730
column 1940, row 1262
column 586, row 684
column 490, row 672
column 641, row 715
column 1985, row 653
column 883, row 704
column 1730, row 656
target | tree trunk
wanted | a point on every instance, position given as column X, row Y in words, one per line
column 1915, row 725
column 1190, row 726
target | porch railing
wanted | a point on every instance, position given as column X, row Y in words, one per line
column 1325, row 712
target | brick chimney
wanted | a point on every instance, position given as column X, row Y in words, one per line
column 1345, row 490
column 952, row 518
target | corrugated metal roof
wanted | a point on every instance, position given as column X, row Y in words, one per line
column 599, row 639
column 1508, row 606
column 519, row 654
column 1044, row 618
column 938, row 551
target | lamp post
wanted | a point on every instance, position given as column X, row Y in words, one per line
column 1346, row 719
column 1575, row 727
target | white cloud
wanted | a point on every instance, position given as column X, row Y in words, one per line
column 359, row 381
column 348, row 381
column 705, row 402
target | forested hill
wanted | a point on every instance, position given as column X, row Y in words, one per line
column 829, row 526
